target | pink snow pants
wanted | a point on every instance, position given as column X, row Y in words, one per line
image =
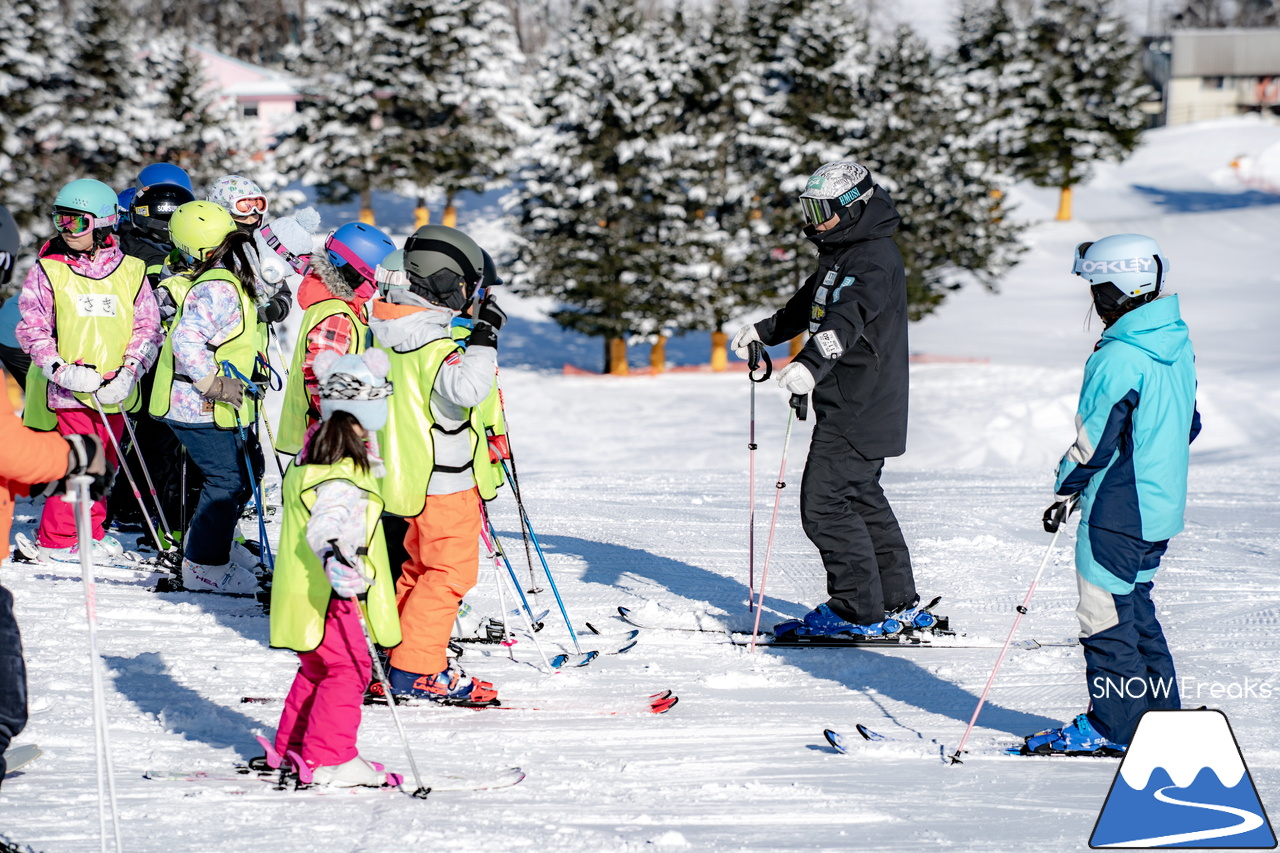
column 58, row 523
column 322, row 711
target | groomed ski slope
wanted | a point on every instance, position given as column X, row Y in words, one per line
column 637, row 488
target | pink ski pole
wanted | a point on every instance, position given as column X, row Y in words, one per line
column 1061, row 518
column 799, row 408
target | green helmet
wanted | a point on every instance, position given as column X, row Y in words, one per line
column 199, row 227
column 444, row 265
column 92, row 197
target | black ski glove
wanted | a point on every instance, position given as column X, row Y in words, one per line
column 85, row 457
column 490, row 313
column 276, row 308
column 1059, row 512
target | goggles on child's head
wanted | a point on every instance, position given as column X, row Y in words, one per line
column 249, row 205
column 343, row 386
column 78, row 223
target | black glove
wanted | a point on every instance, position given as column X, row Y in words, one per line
column 85, row 457
column 490, row 313
column 1059, row 512
column 483, row 335
column 276, row 308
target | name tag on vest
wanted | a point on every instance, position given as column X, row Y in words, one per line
column 96, row 305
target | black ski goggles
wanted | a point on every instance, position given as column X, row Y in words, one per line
column 819, row 210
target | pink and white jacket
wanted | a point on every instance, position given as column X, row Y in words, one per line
column 37, row 330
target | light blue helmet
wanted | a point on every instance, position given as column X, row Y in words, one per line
column 1131, row 263
column 89, row 196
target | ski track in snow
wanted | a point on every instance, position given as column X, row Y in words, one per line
column 637, row 489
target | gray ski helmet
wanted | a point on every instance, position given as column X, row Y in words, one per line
column 444, row 265
column 832, row 187
column 8, row 244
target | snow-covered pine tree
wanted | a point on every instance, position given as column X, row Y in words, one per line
column 994, row 67
column 737, row 243
column 339, row 143
column 105, row 119
column 596, row 230
column 34, row 54
column 918, row 147
column 1085, row 102
column 456, row 104
column 208, row 139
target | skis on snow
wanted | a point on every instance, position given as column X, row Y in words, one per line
column 242, row 779
column 20, row 756
column 844, row 744
column 907, row 640
column 658, row 703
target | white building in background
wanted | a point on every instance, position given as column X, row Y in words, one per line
column 1214, row 73
column 270, row 97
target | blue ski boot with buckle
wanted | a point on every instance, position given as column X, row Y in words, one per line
column 1077, row 738
column 822, row 621
column 914, row 616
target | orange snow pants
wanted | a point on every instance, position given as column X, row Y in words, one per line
column 444, row 560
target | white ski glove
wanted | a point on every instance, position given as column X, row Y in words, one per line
column 74, row 377
column 344, row 576
column 743, row 339
column 796, row 378
column 118, row 389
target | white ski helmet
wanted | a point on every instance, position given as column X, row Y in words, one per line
column 832, row 187
column 1120, row 269
column 239, row 195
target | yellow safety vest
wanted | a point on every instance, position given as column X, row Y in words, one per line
column 408, row 441
column 93, row 324
column 241, row 349
column 297, row 413
column 300, row 591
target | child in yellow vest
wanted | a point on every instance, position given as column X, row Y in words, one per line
column 331, row 555
column 438, row 464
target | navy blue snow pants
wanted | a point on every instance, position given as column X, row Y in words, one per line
column 1128, row 666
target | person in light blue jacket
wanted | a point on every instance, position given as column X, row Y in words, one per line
column 1127, row 473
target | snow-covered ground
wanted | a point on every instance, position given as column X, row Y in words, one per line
column 638, row 490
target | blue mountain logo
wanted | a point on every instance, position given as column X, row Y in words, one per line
column 1183, row 783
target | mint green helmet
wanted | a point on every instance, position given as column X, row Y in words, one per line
column 92, row 197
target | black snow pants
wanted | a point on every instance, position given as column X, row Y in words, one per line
column 13, row 677
column 847, row 516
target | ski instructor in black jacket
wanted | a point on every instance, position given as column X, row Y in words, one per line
column 855, row 363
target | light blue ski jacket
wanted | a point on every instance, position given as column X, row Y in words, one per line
column 1136, row 418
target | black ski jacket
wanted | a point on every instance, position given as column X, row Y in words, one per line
column 855, row 307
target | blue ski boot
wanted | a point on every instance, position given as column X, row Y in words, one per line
column 1077, row 738
column 822, row 621
column 915, row 616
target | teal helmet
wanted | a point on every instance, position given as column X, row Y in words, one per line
column 92, row 197
column 1123, row 271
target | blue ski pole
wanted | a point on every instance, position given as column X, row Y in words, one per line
column 524, row 517
column 498, row 549
column 250, row 387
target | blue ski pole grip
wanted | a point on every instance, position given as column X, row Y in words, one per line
column 229, row 369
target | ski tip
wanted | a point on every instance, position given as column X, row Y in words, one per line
column 564, row 660
column 867, row 734
column 625, row 612
column 663, row 705
column 592, row 628
column 836, row 740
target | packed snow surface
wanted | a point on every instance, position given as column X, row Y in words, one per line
column 638, row 491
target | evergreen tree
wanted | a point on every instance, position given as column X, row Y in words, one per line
column 208, row 139
column 919, row 146
column 597, row 233
column 33, row 61
column 1085, row 104
column 993, row 63
column 340, row 138
column 737, row 247
column 455, row 104
column 105, row 118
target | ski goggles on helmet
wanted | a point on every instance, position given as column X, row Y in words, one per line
column 78, row 223
column 249, row 205
column 344, row 386
column 817, row 210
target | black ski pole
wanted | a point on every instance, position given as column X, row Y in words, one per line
column 755, row 354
